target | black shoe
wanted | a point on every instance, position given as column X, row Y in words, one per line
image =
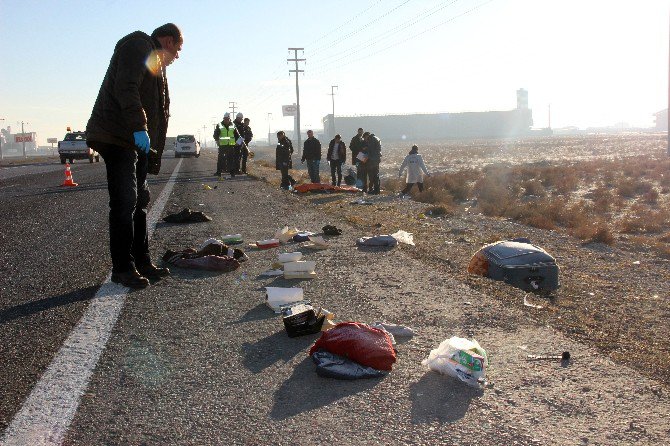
column 152, row 272
column 217, row 174
column 130, row 279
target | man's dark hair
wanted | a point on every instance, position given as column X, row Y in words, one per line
column 338, row 136
column 247, row 120
column 360, row 128
column 366, row 134
column 168, row 30
column 279, row 133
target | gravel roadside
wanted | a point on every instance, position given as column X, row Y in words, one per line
column 199, row 359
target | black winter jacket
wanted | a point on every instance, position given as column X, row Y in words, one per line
column 132, row 97
column 374, row 148
column 283, row 154
column 356, row 145
column 311, row 149
column 341, row 150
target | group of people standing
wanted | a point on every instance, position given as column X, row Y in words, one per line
column 366, row 154
column 232, row 139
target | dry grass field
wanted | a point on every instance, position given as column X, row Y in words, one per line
column 599, row 204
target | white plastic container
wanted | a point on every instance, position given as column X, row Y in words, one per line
column 286, row 257
column 306, row 266
column 277, row 296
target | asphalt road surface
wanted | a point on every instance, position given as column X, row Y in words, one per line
column 198, row 359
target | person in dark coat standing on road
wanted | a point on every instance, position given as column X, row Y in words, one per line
column 283, row 160
column 130, row 116
column 373, row 146
column 239, row 144
column 248, row 135
column 311, row 152
column 337, row 154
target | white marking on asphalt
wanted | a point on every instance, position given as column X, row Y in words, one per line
column 45, row 416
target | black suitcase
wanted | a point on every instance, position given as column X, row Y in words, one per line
column 523, row 265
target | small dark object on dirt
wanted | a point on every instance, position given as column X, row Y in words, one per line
column 187, row 216
column 565, row 356
column 331, row 230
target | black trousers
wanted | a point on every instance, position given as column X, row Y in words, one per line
column 373, row 177
column 409, row 187
column 128, row 201
column 221, row 165
column 286, row 179
column 245, row 155
column 362, row 174
column 336, row 167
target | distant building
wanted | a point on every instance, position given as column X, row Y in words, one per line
column 661, row 120
column 12, row 143
column 466, row 125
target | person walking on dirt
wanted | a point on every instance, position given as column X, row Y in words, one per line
column 311, row 152
column 283, row 160
column 130, row 116
column 248, row 135
column 415, row 165
column 337, row 153
column 373, row 146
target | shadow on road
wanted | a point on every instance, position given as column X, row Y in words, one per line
column 30, row 308
column 258, row 313
column 305, row 391
column 440, row 398
column 277, row 347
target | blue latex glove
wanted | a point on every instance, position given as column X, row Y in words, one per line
column 142, row 140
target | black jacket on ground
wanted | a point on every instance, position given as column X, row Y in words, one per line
column 356, row 145
column 283, row 153
column 342, row 151
column 132, row 97
column 311, row 149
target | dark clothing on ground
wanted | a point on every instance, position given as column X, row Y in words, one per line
column 408, row 187
column 355, row 146
column 132, row 98
column 128, row 200
column 311, row 149
column 283, row 162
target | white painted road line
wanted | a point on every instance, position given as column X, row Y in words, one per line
column 45, row 416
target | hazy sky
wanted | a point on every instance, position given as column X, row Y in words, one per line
column 597, row 62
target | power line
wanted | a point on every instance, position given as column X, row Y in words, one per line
column 408, row 39
column 344, row 23
column 340, row 39
column 386, row 34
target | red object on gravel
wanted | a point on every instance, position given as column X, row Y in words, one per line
column 359, row 342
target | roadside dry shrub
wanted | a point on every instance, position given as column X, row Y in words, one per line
column 433, row 195
column 533, row 188
column 642, row 220
column 459, row 184
column 651, row 196
column 563, row 179
column 631, row 187
column 602, row 199
column 595, row 232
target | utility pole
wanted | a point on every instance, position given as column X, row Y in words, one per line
column 332, row 94
column 233, row 105
column 1, row 155
column 669, row 100
column 297, row 92
column 204, row 134
column 269, row 131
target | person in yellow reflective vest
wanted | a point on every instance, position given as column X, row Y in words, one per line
column 226, row 134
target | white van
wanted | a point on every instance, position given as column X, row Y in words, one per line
column 186, row 145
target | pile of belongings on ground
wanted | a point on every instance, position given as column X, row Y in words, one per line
column 518, row 263
column 323, row 188
column 213, row 255
column 352, row 350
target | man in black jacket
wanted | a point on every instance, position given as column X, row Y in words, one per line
column 373, row 146
column 130, row 116
column 311, row 152
column 248, row 136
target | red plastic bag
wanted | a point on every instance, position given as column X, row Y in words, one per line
column 359, row 342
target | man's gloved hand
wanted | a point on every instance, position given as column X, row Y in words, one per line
column 142, row 140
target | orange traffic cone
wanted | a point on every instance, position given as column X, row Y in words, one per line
column 68, row 177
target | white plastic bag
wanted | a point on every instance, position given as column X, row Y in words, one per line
column 461, row 358
column 404, row 237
